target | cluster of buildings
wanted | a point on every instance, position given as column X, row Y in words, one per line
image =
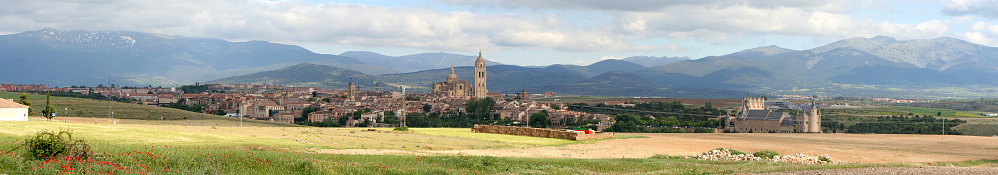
column 286, row 104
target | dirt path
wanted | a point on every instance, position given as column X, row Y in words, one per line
column 895, row 170
column 855, row 148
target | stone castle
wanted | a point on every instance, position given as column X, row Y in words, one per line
column 756, row 118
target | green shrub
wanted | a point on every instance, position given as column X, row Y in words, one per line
column 733, row 152
column 824, row 159
column 766, row 153
column 402, row 128
column 46, row 144
column 663, row 156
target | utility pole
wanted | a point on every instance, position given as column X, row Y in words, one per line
column 402, row 111
column 944, row 130
column 109, row 113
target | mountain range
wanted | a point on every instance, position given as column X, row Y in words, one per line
column 878, row 66
column 62, row 57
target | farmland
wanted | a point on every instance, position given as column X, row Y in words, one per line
column 181, row 149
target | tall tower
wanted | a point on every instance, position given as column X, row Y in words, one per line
column 377, row 87
column 351, row 91
column 813, row 118
column 481, row 89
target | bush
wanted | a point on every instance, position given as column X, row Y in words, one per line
column 733, row 152
column 47, row 144
column 824, row 159
column 766, row 153
column 402, row 128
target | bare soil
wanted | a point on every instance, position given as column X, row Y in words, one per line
column 894, row 170
column 851, row 148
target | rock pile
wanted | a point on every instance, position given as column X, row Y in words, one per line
column 725, row 154
column 804, row 159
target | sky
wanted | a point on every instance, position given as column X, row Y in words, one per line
column 522, row 32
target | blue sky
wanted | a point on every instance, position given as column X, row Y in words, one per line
column 524, row 32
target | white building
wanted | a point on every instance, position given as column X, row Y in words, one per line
column 12, row 111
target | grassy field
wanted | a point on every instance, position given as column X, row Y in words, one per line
column 934, row 111
column 979, row 127
column 89, row 108
column 163, row 149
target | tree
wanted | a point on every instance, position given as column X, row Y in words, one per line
column 49, row 110
column 327, row 100
column 24, row 101
column 555, row 106
column 940, row 113
column 218, row 112
column 427, row 108
column 342, row 121
column 539, row 120
column 343, row 96
column 307, row 110
column 708, row 105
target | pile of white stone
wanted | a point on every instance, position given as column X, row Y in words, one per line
column 804, row 159
column 725, row 154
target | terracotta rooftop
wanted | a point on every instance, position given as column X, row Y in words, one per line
column 9, row 103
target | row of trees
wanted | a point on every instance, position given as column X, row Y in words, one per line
column 181, row 105
column 49, row 111
column 907, row 125
column 90, row 95
column 634, row 123
column 656, row 116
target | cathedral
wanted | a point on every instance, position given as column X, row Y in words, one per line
column 457, row 88
column 453, row 87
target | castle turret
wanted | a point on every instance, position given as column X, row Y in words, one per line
column 813, row 118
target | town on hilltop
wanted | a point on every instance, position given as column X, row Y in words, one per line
column 348, row 108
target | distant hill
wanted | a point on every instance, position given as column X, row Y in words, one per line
column 596, row 68
column 648, row 61
column 502, row 79
column 63, row 57
column 305, row 74
column 760, row 52
column 417, row 62
column 625, row 84
column 878, row 66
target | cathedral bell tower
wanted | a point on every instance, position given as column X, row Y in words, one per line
column 481, row 90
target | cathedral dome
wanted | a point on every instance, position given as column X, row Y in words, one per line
column 452, row 77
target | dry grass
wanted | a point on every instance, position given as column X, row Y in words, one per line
column 214, row 132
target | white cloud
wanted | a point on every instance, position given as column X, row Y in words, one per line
column 609, row 58
column 985, row 8
column 294, row 21
column 716, row 21
column 583, row 62
column 982, row 33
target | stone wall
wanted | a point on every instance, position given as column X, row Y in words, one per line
column 540, row 132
